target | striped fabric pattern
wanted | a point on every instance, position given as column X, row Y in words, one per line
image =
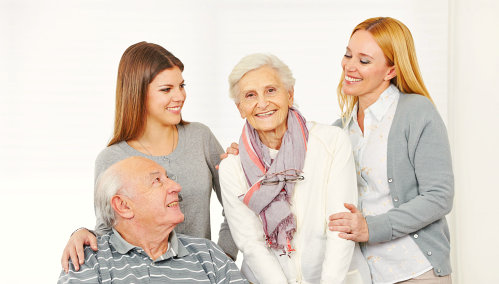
column 188, row 260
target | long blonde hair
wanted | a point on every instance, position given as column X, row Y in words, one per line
column 395, row 40
column 139, row 64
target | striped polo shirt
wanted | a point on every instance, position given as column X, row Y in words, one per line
column 187, row 260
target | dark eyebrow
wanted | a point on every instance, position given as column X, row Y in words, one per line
column 171, row 85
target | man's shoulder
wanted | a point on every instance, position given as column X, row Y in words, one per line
column 89, row 271
column 189, row 241
column 196, row 245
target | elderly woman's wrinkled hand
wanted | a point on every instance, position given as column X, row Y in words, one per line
column 351, row 225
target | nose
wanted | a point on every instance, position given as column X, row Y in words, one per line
column 262, row 102
column 173, row 187
column 349, row 66
column 179, row 95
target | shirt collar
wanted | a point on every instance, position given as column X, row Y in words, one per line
column 380, row 107
column 385, row 100
column 175, row 248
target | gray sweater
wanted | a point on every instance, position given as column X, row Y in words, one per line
column 421, row 181
column 192, row 165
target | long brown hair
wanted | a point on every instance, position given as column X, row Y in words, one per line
column 395, row 39
column 139, row 65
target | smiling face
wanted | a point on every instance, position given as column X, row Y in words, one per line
column 154, row 197
column 165, row 97
column 366, row 72
column 264, row 100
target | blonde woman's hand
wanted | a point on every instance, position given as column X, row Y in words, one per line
column 351, row 225
column 75, row 248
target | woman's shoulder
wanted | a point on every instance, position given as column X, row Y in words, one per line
column 230, row 166
column 196, row 129
column 328, row 135
column 416, row 108
column 325, row 130
column 195, row 126
column 415, row 103
column 112, row 151
column 110, row 155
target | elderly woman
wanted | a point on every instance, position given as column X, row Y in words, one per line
column 402, row 155
column 289, row 177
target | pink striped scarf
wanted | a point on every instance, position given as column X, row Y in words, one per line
column 271, row 201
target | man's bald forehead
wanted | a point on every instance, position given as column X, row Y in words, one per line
column 135, row 169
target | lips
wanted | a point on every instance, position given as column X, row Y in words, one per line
column 175, row 108
column 265, row 114
column 172, row 204
column 352, row 79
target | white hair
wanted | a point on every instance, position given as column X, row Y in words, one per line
column 255, row 61
column 108, row 184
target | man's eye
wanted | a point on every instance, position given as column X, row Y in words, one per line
column 182, row 86
column 271, row 90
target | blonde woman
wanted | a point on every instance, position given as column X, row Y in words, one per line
column 150, row 94
column 402, row 156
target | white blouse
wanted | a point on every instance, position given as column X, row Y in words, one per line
column 321, row 256
column 399, row 259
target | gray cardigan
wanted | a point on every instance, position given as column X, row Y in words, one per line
column 419, row 170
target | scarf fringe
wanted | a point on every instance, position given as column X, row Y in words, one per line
column 287, row 225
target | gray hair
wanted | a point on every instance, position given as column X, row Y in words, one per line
column 108, row 184
column 255, row 61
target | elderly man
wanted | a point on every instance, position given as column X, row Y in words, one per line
column 139, row 202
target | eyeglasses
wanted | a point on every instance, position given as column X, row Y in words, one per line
column 289, row 176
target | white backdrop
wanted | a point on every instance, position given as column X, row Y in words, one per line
column 58, row 70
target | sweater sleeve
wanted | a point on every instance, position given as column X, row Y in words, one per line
column 246, row 226
column 214, row 149
column 430, row 158
column 341, row 188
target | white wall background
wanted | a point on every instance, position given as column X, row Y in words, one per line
column 58, row 65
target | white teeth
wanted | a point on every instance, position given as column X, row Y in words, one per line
column 266, row 113
column 173, row 204
column 350, row 79
column 173, row 108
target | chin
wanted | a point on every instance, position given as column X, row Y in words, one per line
column 349, row 92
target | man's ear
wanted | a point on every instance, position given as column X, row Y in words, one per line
column 392, row 72
column 122, row 206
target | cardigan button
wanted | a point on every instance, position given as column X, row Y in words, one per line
column 416, row 236
column 438, row 270
column 395, row 199
column 429, row 253
column 390, row 180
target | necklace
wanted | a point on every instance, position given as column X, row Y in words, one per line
column 172, row 148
